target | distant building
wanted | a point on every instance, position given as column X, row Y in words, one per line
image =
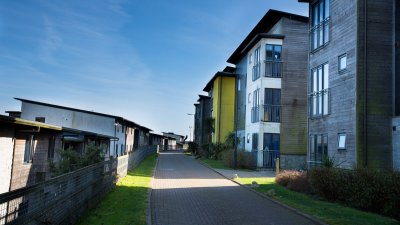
column 221, row 90
column 271, row 71
column 127, row 131
column 354, row 83
column 173, row 139
column 202, row 114
column 27, row 147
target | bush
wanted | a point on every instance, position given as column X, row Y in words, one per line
column 194, row 148
column 294, row 180
column 245, row 160
column 364, row 189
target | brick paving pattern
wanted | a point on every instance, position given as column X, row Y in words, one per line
column 186, row 192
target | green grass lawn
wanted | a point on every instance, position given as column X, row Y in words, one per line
column 127, row 203
column 330, row 213
column 217, row 164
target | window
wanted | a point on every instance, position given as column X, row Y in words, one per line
column 248, row 138
column 319, row 33
column 319, row 96
column 250, row 58
column 50, row 152
column 255, row 141
column 341, row 141
column 238, row 84
column 29, row 145
column 255, row 115
column 342, row 63
column 272, row 105
column 273, row 63
column 257, row 64
column 271, row 142
column 40, row 119
column 318, row 147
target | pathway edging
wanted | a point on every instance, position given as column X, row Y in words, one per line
column 265, row 196
column 150, row 192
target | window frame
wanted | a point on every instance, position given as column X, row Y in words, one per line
column 319, row 92
column 345, row 141
column 29, row 149
column 319, row 25
column 313, row 144
column 341, row 71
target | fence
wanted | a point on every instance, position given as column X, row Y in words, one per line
column 63, row 199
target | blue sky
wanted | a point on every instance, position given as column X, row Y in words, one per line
column 143, row 60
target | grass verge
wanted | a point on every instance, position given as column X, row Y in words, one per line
column 217, row 164
column 127, row 202
column 330, row 213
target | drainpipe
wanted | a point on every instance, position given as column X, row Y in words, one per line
column 365, row 83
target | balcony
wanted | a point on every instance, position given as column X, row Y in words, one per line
column 266, row 113
column 273, row 68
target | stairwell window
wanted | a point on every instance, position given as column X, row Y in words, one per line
column 257, row 64
column 342, row 141
column 319, row 33
column 342, row 63
column 319, row 94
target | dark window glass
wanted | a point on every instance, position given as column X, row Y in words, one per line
column 28, row 153
column 255, row 141
column 50, row 151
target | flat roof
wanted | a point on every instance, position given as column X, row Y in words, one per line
column 208, row 86
column 263, row 26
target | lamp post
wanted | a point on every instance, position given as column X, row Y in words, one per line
column 190, row 127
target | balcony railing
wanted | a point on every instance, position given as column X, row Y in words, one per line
column 319, row 34
column 271, row 113
column 267, row 157
column 266, row 113
column 319, row 103
column 273, row 68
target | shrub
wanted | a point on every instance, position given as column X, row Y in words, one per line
column 194, row 148
column 294, row 180
column 364, row 189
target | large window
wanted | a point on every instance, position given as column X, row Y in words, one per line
column 29, row 145
column 319, row 96
column 272, row 105
column 257, row 64
column 318, row 147
column 319, row 33
column 255, row 110
column 273, row 63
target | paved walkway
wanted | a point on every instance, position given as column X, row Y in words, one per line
column 186, row 192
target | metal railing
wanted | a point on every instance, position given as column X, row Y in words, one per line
column 273, row 68
column 271, row 113
column 266, row 113
column 267, row 157
column 319, row 34
column 319, row 103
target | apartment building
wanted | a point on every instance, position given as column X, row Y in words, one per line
column 201, row 115
column 271, row 70
column 221, row 90
column 353, row 83
column 27, row 147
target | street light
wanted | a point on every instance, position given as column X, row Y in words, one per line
column 190, row 127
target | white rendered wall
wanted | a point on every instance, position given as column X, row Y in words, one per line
column 6, row 156
column 261, row 84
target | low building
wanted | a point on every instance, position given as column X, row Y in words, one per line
column 125, row 130
column 27, row 148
